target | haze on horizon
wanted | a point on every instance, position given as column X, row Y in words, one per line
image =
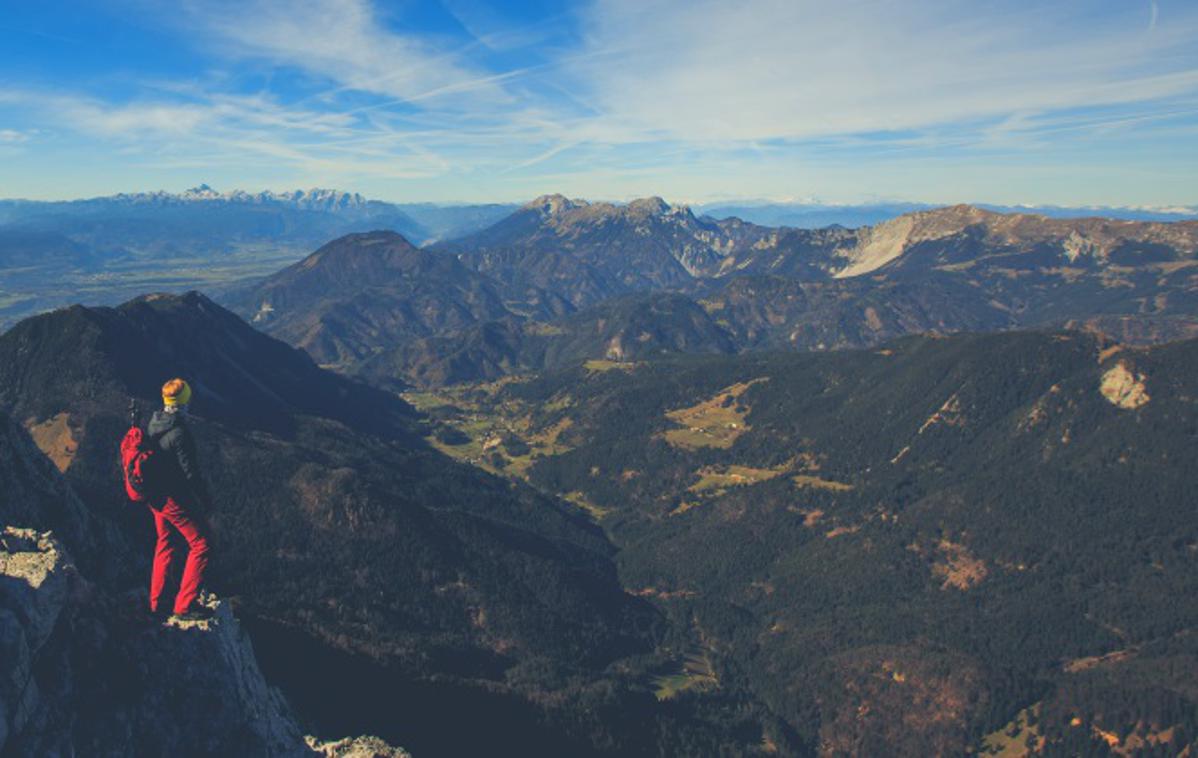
column 1055, row 103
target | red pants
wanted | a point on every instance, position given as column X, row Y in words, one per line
column 195, row 531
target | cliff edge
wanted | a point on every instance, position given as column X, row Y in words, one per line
column 86, row 670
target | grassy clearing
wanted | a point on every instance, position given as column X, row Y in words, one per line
column 714, row 480
column 715, row 422
column 489, row 428
column 685, row 506
column 558, row 403
column 598, row 366
column 806, row 481
column 542, row 443
column 596, row 512
column 696, row 674
column 1012, row 740
column 426, row 401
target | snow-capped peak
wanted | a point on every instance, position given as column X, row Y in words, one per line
column 310, row 199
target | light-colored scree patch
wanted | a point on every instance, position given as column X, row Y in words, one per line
column 1123, row 388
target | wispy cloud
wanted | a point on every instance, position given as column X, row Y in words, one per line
column 706, row 70
column 347, row 42
column 211, row 131
column 698, row 94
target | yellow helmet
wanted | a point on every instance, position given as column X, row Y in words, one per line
column 176, row 392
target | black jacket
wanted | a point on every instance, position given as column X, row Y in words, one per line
column 181, row 472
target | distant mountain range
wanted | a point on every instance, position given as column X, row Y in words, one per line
column 562, row 280
column 814, row 214
column 105, row 250
column 276, row 215
column 559, row 280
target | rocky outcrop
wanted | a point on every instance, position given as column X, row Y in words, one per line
column 36, row 583
column 1124, row 389
column 356, row 747
column 88, row 674
column 85, row 669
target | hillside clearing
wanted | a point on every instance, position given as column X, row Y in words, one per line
column 715, row 422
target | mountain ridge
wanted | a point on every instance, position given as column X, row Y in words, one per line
column 553, row 266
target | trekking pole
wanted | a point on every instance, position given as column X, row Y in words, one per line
column 133, row 411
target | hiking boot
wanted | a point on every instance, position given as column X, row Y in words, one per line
column 195, row 613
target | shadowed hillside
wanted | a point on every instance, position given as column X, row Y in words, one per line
column 349, row 543
column 898, row 550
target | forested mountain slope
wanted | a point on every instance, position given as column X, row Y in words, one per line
column 899, row 550
column 364, row 291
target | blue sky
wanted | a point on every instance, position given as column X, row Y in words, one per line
column 1004, row 101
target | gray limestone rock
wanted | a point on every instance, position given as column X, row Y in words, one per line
column 82, row 673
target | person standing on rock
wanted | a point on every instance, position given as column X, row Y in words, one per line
column 181, row 505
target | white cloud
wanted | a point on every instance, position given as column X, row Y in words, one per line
column 344, row 41
column 681, row 96
column 215, row 130
column 12, row 136
column 707, row 70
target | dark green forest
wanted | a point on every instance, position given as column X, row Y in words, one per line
column 942, row 545
column 932, row 536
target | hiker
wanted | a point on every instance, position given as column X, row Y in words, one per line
column 181, row 504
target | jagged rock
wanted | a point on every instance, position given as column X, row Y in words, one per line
column 1124, row 389
column 204, row 674
column 36, row 582
column 33, row 495
column 83, row 673
column 356, row 747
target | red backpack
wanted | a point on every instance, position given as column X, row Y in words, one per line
column 139, row 455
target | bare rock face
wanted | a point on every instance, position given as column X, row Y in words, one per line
column 86, row 674
column 356, row 747
column 1124, row 389
column 36, row 583
column 202, row 676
